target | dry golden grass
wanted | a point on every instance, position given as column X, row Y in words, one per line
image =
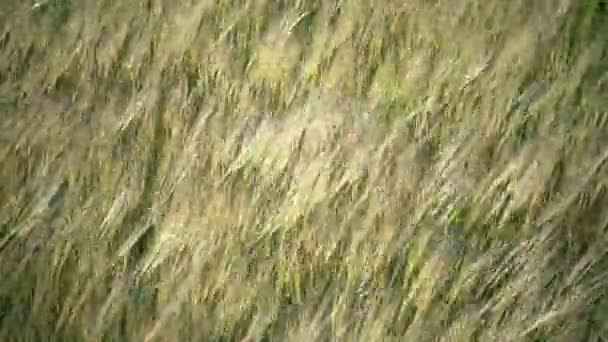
column 262, row 170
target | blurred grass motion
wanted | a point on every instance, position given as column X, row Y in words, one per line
column 355, row 170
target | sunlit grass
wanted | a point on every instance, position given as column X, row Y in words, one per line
column 303, row 171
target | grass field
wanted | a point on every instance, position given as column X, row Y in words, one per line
column 348, row 170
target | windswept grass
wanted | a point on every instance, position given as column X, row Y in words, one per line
column 254, row 170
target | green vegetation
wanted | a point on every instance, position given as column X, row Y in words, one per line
column 254, row 170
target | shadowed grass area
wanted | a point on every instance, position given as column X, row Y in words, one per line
column 303, row 171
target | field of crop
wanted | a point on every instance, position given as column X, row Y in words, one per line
column 306, row 170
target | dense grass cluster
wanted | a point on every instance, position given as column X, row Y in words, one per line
column 267, row 170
